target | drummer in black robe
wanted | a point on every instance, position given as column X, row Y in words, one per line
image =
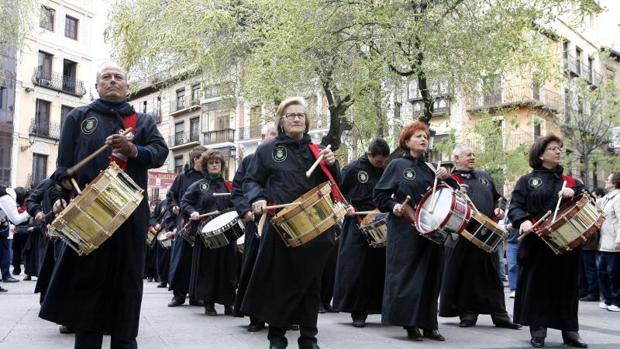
column 150, row 268
column 181, row 254
column 162, row 254
column 471, row 283
column 547, row 291
column 285, row 284
column 100, row 293
column 251, row 238
column 413, row 262
column 155, row 226
column 360, row 272
column 214, row 273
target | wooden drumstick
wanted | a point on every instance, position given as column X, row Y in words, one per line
column 280, row 206
column 359, row 213
column 208, row 214
column 221, row 194
column 316, row 163
column 557, row 206
column 542, row 219
column 434, row 187
column 406, row 200
column 89, row 158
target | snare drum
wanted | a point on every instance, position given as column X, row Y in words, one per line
column 374, row 229
column 165, row 239
column 151, row 234
column 577, row 221
column 447, row 212
column 222, row 230
column 488, row 235
column 95, row 214
column 316, row 212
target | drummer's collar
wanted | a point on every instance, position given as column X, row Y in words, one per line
column 412, row 158
column 214, row 176
column 122, row 108
column 558, row 170
column 465, row 174
column 284, row 139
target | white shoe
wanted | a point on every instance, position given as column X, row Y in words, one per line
column 602, row 305
column 613, row 308
column 512, row 294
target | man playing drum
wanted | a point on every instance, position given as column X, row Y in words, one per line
column 285, row 285
column 100, row 293
column 471, row 283
column 361, row 268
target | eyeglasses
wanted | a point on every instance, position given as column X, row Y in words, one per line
column 292, row 116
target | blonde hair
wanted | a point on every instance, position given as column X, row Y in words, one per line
column 287, row 102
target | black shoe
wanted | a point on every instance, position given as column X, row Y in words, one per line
column 17, row 271
column 590, row 298
column 10, row 279
column 434, row 335
column 276, row 345
column 293, row 327
column 467, row 323
column 575, row 341
column 328, row 308
column 210, row 309
column 256, row 326
column 414, row 333
column 508, row 324
column 176, row 301
column 66, row 329
column 309, row 346
column 228, row 310
column 359, row 323
column 162, row 285
column 197, row 302
column 3, row 289
column 322, row 309
column 537, row 342
column 27, row 278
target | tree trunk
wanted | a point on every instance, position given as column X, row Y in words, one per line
column 337, row 109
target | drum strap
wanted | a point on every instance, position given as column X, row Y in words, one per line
column 120, row 159
column 228, row 185
column 336, row 193
column 570, row 181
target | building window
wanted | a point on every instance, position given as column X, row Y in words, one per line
column 195, row 93
column 194, row 129
column 565, row 53
column 491, row 90
column 180, row 98
column 71, row 27
column 47, row 18
column 44, row 67
column 178, row 133
column 178, row 164
column 69, row 75
column 39, row 168
column 144, row 107
column 578, row 60
column 2, row 97
column 157, row 111
column 590, row 69
column 41, row 126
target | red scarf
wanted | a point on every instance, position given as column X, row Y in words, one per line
column 121, row 159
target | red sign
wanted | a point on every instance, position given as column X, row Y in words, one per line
column 161, row 180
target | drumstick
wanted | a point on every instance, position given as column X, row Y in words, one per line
column 535, row 225
column 87, row 159
column 406, row 200
column 208, row 214
column 280, row 206
column 434, row 187
column 366, row 212
column 221, row 194
column 557, row 206
column 316, row 163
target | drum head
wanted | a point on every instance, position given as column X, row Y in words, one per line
column 432, row 213
column 370, row 217
column 219, row 221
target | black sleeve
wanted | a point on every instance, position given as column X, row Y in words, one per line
column 348, row 180
column 190, row 199
column 172, row 195
column 382, row 194
column 33, row 203
column 517, row 212
column 256, row 177
column 237, row 198
column 154, row 151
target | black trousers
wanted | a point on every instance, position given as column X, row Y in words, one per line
column 307, row 336
column 19, row 242
column 542, row 332
column 94, row 340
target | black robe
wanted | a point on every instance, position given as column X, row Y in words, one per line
column 471, row 280
column 214, row 271
column 252, row 241
column 413, row 263
column 162, row 255
column 34, row 250
column 360, row 271
column 285, row 284
column 181, row 254
column 547, row 291
column 102, row 291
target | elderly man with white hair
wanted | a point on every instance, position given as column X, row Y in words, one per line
column 471, row 283
column 100, row 293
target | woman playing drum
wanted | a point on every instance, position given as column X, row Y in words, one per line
column 413, row 263
column 547, row 291
column 214, row 271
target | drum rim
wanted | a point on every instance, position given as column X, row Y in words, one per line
column 234, row 221
column 306, row 200
column 564, row 215
column 442, row 225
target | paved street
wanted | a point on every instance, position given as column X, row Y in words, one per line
column 187, row 327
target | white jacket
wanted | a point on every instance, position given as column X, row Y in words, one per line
column 610, row 231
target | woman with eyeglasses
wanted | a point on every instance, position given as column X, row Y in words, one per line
column 547, row 291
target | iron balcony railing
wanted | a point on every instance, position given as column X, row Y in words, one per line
column 518, row 95
column 58, row 82
column 44, row 129
column 219, row 136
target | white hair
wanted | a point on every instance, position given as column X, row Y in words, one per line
column 458, row 149
column 106, row 65
column 268, row 127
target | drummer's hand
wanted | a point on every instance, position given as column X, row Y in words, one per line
column 40, row 217
column 566, row 193
column 175, row 210
column 248, row 216
column 194, row 216
column 499, row 213
column 350, row 211
column 258, row 206
column 442, row 173
column 157, row 227
column 122, row 144
column 464, row 188
column 526, row 227
column 59, row 205
column 328, row 156
column 398, row 210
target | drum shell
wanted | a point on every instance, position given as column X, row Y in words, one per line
column 454, row 221
column 375, row 230
column 487, row 235
column 224, row 235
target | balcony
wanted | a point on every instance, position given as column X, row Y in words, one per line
column 180, row 106
column 219, row 136
column 250, row 132
column 49, row 130
column 518, row 95
column 181, row 140
column 441, row 106
column 58, row 82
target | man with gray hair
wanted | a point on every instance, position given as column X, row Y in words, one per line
column 100, row 293
column 471, row 283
